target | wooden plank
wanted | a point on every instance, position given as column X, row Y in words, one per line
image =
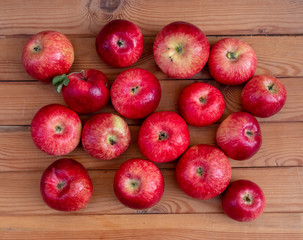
column 19, row 101
column 282, row 186
column 280, row 56
column 179, row 226
column 214, row 17
column 280, row 147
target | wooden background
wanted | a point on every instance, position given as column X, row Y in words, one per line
column 274, row 28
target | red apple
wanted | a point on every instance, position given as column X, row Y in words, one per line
column 243, row 201
column 232, row 61
column 263, row 96
column 66, row 186
column 163, row 137
column 239, row 136
column 203, row 172
column 120, row 43
column 201, row 104
column 56, row 129
column 85, row 91
column 105, row 136
column 47, row 54
column 138, row 184
column 181, row 50
column 135, row 93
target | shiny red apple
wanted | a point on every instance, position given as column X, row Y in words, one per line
column 56, row 129
column 85, row 91
column 232, row 61
column 66, row 186
column 203, row 172
column 181, row 50
column 263, row 96
column 105, row 136
column 163, row 136
column 201, row 104
column 135, row 93
column 138, row 184
column 47, row 54
column 243, row 201
column 239, row 136
column 120, row 43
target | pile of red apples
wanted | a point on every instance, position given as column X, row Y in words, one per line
column 181, row 50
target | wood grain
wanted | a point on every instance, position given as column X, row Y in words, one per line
column 280, row 56
column 19, row 101
column 181, row 226
column 281, row 147
column 215, row 18
column 283, row 188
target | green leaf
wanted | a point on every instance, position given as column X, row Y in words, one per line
column 59, row 87
column 59, row 79
column 65, row 81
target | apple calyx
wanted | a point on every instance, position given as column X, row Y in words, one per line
column 112, row 140
column 120, row 43
column 60, row 185
column 135, row 89
column 271, row 88
column 232, row 55
column 249, row 133
column 203, row 100
column 58, row 129
column 247, row 198
column 134, row 184
column 162, row 136
column 200, row 171
column 37, row 49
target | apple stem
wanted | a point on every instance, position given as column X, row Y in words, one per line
column 232, row 55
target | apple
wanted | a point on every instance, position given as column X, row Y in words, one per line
column 243, row 201
column 203, row 172
column 105, row 136
column 47, row 54
column 201, row 104
column 263, row 96
column 239, row 136
column 66, row 186
column 181, row 50
column 163, row 136
column 135, row 93
column 85, row 91
column 120, row 43
column 138, row 184
column 56, row 129
column 232, row 61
